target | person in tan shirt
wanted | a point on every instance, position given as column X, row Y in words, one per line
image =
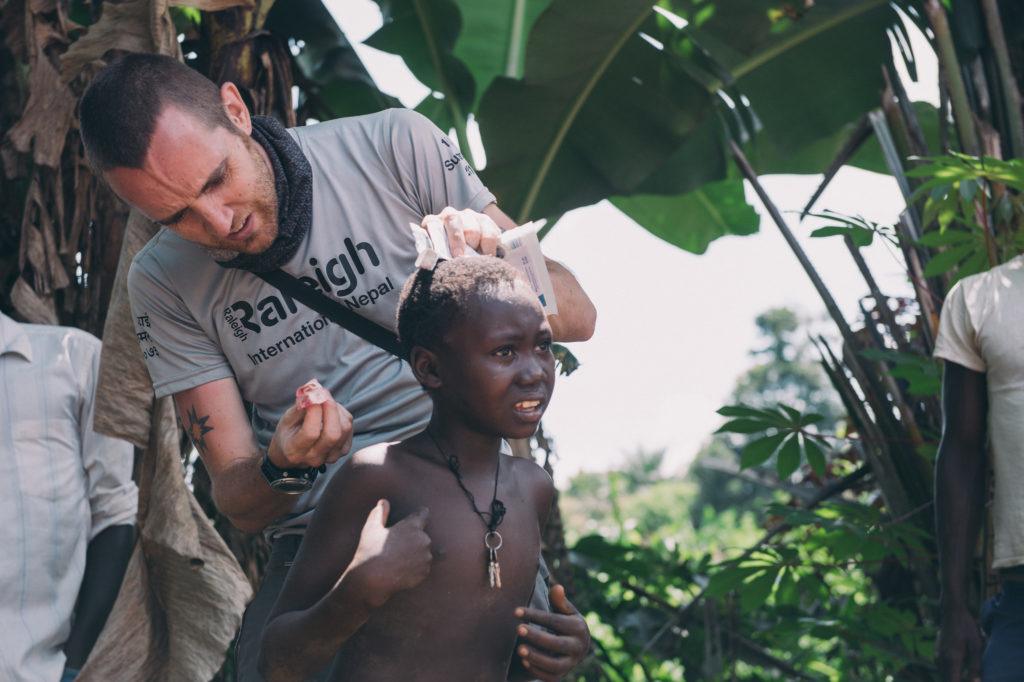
column 981, row 340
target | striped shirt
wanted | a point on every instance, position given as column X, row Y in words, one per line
column 61, row 485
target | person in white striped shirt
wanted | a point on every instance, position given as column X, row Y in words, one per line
column 67, row 504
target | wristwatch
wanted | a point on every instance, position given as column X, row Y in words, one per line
column 291, row 481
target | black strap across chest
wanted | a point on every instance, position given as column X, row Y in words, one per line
column 366, row 329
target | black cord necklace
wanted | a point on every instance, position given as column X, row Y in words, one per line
column 492, row 519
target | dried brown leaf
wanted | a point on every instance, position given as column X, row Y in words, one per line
column 38, row 247
column 12, row 27
column 31, row 306
column 214, row 5
column 50, row 109
column 133, row 26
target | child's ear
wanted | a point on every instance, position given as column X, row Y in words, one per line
column 424, row 367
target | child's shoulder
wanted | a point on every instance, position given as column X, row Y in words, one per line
column 372, row 456
column 530, row 470
column 537, row 481
column 378, row 459
column 385, row 460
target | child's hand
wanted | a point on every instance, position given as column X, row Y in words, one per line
column 550, row 654
column 393, row 559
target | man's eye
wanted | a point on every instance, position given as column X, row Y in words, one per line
column 173, row 221
column 504, row 352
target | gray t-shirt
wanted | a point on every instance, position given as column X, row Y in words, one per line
column 198, row 322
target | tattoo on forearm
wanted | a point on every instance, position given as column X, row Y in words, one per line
column 197, row 429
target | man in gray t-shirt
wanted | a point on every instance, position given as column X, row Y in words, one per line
column 329, row 204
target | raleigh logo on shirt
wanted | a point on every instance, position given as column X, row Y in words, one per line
column 339, row 277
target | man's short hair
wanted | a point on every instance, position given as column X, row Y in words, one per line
column 432, row 300
column 119, row 109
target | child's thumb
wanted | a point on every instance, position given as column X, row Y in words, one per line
column 561, row 602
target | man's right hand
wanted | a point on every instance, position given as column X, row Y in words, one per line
column 311, row 437
column 960, row 647
column 389, row 560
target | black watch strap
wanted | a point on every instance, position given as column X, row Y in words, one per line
column 291, row 481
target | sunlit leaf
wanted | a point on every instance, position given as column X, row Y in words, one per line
column 943, row 262
column 858, row 235
column 756, row 591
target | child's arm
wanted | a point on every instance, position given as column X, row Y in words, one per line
column 345, row 568
column 555, row 648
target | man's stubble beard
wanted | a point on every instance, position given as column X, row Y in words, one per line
column 264, row 210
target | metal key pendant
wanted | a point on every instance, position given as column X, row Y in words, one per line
column 492, row 542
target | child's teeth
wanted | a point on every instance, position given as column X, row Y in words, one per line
column 528, row 404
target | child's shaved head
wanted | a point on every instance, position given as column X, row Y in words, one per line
column 431, row 300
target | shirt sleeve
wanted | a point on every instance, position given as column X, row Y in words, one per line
column 429, row 167
column 957, row 340
column 178, row 353
column 108, row 462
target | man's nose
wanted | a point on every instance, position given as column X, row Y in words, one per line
column 218, row 216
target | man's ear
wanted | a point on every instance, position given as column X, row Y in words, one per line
column 424, row 367
column 234, row 107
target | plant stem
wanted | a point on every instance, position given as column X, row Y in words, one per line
column 857, row 138
column 787, row 234
column 1011, row 95
column 982, row 216
column 450, row 99
column 515, row 39
column 946, row 51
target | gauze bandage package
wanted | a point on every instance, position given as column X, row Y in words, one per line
column 519, row 247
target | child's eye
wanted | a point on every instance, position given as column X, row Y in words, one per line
column 544, row 346
column 504, row 352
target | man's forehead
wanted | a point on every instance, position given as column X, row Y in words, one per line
column 183, row 154
column 179, row 138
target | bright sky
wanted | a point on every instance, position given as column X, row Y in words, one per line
column 674, row 329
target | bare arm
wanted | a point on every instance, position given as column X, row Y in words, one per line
column 959, row 502
column 214, row 417
column 105, row 564
column 344, row 570
column 577, row 315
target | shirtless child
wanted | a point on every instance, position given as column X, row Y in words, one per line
column 445, row 609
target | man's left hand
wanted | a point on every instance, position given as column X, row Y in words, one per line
column 467, row 228
column 550, row 656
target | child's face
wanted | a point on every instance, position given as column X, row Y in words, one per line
column 496, row 366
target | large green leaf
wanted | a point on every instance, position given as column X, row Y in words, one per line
column 598, row 109
column 807, row 72
column 333, row 81
column 493, row 38
column 604, row 110
column 424, row 32
column 619, row 100
column 692, row 221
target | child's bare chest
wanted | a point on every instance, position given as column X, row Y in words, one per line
column 460, row 542
column 456, row 602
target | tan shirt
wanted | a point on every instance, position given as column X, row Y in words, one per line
column 62, row 485
column 982, row 328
